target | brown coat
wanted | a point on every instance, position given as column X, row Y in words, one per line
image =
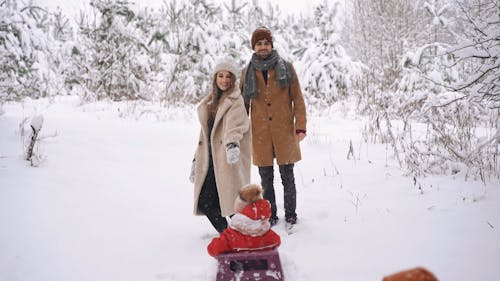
column 231, row 125
column 276, row 114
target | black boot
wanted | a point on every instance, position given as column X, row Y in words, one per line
column 218, row 222
column 290, row 192
column 267, row 179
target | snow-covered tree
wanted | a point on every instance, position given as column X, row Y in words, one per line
column 79, row 72
column 26, row 53
column 377, row 33
column 116, row 51
column 203, row 43
column 61, row 30
column 185, row 43
column 327, row 70
column 234, row 33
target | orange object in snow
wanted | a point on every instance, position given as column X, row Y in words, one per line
column 415, row 274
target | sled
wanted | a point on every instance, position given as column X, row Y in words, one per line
column 250, row 266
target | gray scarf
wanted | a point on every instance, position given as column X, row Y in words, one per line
column 283, row 73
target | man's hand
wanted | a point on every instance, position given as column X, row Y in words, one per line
column 300, row 136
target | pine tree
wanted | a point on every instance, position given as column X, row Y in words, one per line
column 327, row 71
column 26, row 57
column 116, row 49
column 378, row 34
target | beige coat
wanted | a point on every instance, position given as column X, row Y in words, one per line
column 231, row 125
column 276, row 114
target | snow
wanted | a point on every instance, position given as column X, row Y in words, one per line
column 112, row 201
column 37, row 122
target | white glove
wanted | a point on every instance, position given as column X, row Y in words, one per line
column 191, row 175
column 232, row 153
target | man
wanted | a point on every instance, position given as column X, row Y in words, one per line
column 272, row 95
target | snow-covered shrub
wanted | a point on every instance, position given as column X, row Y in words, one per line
column 452, row 90
column 30, row 138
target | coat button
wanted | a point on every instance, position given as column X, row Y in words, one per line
column 199, row 143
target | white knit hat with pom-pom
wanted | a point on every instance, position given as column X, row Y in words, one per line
column 226, row 63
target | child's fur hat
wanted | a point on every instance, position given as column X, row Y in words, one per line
column 251, row 193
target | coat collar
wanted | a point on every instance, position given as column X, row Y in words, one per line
column 223, row 107
column 232, row 96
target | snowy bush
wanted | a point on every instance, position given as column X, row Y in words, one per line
column 452, row 90
column 30, row 137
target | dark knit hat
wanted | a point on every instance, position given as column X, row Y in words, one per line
column 260, row 34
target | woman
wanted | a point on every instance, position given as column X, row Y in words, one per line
column 221, row 165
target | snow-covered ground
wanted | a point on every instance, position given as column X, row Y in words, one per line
column 112, row 202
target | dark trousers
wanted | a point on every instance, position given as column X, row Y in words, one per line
column 208, row 202
column 290, row 192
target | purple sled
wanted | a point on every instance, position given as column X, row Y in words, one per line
column 250, row 266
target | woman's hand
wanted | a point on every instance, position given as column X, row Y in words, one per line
column 191, row 175
column 232, row 153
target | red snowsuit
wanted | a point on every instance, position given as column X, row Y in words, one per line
column 248, row 231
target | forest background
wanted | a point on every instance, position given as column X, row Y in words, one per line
column 422, row 75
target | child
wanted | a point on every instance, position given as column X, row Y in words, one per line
column 249, row 229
